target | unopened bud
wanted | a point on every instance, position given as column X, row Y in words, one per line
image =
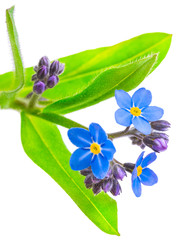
column 88, row 181
column 52, row 81
column 129, row 167
column 119, row 172
column 97, row 188
column 54, row 67
column 116, row 188
column 86, row 171
column 44, row 61
column 39, row 87
column 107, row 185
column 42, row 72
column 157, row 141
column 61, row 68
column 160, row 125
column 34, row 77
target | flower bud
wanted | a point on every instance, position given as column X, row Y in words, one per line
column 88, row 181
column 160, row 125
column 36, row 68
column 52, row 81
column 42, row 72
column 44, row 61
column 34, row 77
column 157, row 141
column 61, row 68
column 97, row 188
column 109, row 173
column 95, row 180
column 160, row 145
column 116, row 188
column 107, row 185
column 119, row 172
column 54, row 67
column 86, row 171
column 129, row 167
column 39, row 87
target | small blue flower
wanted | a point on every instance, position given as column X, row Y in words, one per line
column 94, row 149
column 136, row 110
column 142, row 174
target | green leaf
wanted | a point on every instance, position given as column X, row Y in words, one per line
column 38, row 138
column 105, row 84
column 59, row 120
column 12, row 82
column 82, row 68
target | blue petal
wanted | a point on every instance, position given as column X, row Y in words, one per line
column 123, row 99
column 80, row 137
column 148, row 177
column 141, row 125
column 97, row 132
column 108, row 150
column 152, row 113
column 142, row 98
column 100, row 166
column 139, row 160
column 80, row 159
column 148, row 159
column 136, row 187
column 123, row 117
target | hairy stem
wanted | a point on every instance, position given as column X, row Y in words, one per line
column 33, row 100
column 118, row 134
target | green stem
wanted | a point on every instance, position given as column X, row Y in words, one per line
column 118, row 134
column 33, row 100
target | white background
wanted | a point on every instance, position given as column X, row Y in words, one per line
column 32, row 205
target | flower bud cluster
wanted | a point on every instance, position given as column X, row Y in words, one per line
column 46, row 75
column 109, row 184
column 157, row 140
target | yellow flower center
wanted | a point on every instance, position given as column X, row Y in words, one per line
column 139, row 170
column 135, row 111
column 95, row 148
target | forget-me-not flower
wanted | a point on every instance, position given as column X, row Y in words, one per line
column 94, row 149
column 142, row 174
column 136, row 110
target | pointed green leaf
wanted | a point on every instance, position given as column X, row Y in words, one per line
column 82, row 68
column 38, row 137
column 104, row 85
column 12, row 82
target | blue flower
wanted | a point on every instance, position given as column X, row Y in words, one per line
column 94, row 149
column 136, row 110
column 142, row 174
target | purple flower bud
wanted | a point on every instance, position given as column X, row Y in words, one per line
column 44, row 61
column 52, row 81
column 160, row 145
column 107, row 185
column 119, row 172
column 129, row 167
column 95, row 180
column 54, row 67
column 61, row 68
column 116, row 188
column 109, row 173
column 160, row 125
column 157, row 141
column 42, row 72
column 36, row 68
column 86, row 171
column 97, row 188
column 34, row 77
column 88, row 181
column 39, row 87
